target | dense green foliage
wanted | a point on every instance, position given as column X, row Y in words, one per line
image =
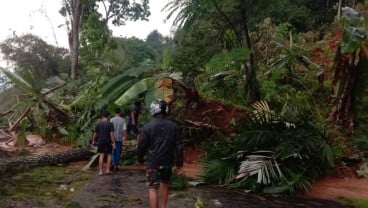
column 31, row 52
column 271, row 154
column 288, row 53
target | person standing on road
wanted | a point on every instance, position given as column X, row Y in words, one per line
column 133, row 119
column 104, row 131
column 120, row 135
column 161, row 143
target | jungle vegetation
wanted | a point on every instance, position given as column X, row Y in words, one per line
column 272, row 92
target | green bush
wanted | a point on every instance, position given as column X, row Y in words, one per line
column 270, row 154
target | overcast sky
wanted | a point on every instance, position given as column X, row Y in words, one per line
column 41, row 17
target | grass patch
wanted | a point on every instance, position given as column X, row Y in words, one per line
column 73, row 204
column 357, row 203
column 41, row 186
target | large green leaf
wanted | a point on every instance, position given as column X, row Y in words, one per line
column 109, row 96
column 19, row 82
column 349, row 43
column 355, row 32
column 144, row 85
column 135, row 90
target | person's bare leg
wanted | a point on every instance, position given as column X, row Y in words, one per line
column 164, row 189
column 108, row 165
column 153, row 197
column 100, row 163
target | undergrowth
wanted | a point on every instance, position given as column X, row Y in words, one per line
column 42, row 186
column 356, row 203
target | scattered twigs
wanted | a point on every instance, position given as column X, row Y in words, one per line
column 54, row 89
column 6, row 113
column 202, row 124
column 24, row 114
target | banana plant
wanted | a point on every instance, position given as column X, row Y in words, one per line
column 36, row 100
column 353, row 48
column 145, row 85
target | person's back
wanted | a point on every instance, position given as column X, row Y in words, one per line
column 120, row 135
column 119, row 127
column 103, row 128
column 133, row 117
column 104, row 131
column 162, row 140
column 136, row 110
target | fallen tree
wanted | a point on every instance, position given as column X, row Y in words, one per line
column 18, row 164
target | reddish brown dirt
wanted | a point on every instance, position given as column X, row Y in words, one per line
column 216, row 115
column 333, row 187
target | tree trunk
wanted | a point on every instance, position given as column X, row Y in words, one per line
column 74, row 36
column 12, row 165
column 251, row 83
column 229, row 22
column 339, row 8
column 344, row 74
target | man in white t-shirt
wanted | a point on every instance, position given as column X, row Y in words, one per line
column 120, row 132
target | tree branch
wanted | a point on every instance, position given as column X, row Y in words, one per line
column 11, row 128
column 53, row 89
column 227, row 19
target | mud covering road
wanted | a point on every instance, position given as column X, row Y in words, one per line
column 127, row 188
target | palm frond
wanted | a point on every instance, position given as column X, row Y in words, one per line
column 264, row 166
column 298, row 180
column 20, row 82
column 218, row 171
column 262, row 113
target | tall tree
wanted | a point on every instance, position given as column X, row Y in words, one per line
column 156, row 41
column 224, row 16
column 33, row 53
column 77, row 12
column 120, row 11
column 234, row 21
column 72, row 10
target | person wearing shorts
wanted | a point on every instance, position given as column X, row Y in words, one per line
column 160, row 143
column 104, row 132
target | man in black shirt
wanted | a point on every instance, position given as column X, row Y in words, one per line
column 133, row 117
column 104, row 131
column 160, row 142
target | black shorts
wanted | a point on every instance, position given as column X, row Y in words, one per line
column 104, row 147
column 155, row 176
